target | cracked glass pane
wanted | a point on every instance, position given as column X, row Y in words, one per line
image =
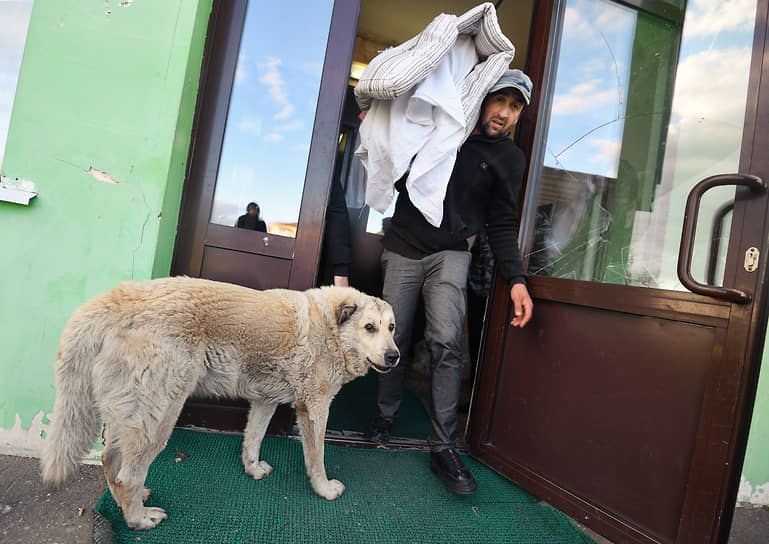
column 642, row 109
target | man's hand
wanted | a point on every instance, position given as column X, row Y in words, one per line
column 341, row 281
column 522, row 304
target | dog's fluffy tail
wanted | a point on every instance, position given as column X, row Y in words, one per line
column 76, row 418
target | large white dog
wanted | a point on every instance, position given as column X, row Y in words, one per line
column 131, row 356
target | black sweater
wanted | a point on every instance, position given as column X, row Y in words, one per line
column 482, row 191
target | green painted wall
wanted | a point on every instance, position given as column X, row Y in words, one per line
column 105, row 87
column 113, row 88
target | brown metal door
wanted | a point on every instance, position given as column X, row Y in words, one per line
column 271, row 99
column 626, row 401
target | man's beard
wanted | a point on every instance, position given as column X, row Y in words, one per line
column 488, row 130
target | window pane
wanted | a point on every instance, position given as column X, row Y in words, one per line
column 15, row 18
column 635, row 123
column 271, row 114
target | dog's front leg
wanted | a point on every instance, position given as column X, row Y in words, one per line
column 312, row 421
column 259, row 416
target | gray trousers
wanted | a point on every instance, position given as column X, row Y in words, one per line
column 441, row 280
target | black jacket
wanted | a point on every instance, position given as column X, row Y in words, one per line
column 482, row 191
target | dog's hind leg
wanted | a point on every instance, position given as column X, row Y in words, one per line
column 111, row 460
column 139, row 445
column 312, row 421
column 137, row 452
column 259, row 416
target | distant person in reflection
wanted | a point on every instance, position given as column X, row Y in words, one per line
column 250, row 220
column 422, row 261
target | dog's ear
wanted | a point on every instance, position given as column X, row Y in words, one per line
column 344, row 311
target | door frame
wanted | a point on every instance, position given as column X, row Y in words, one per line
column 728, row 404
column 195, row 233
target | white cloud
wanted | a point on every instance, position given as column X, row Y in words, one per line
column 585, row 22
column 276, row 86
column 582, row 97
column 272, row 78
column 577, row 25
column 710, row 17
column 607, row 151
column 273, row 137
column 713, row 85
column 285, row 113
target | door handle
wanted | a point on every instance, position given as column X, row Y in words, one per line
column 757, row 186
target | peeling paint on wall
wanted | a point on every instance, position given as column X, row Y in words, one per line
column 29, row 442
column 25, row 442
column 758, row 494
column 101, row 176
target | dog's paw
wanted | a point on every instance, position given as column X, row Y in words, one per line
column 148, row 518
column 258, row 470
column 328, row 489
column 146, row 494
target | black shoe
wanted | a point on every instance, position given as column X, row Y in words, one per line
column 452, row 472
column 379, row 430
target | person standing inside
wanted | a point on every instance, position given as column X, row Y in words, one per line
column 250, row 219
column 420, row 260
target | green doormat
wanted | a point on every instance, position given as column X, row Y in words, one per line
column 391, row 497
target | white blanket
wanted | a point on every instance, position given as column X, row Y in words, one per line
column 423, row 99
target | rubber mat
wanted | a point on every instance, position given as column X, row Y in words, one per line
column 391, row 497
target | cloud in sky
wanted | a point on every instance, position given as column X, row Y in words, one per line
column 586, row 21
column 286, row 112
column 276, row 86
column 581, row 97
column 711, row 17
column 607, row 152
column 576, row 24
column 709, row 112
column 273, row 137
column 698, row 94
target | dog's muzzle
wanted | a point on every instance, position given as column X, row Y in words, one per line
column 391, row 358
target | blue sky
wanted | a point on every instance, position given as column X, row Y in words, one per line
column 264, row 156
column 14, row 16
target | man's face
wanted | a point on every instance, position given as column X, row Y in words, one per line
column 500, row 113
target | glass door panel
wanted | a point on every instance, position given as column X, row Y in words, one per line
column 643, row 107
column 271, row 113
